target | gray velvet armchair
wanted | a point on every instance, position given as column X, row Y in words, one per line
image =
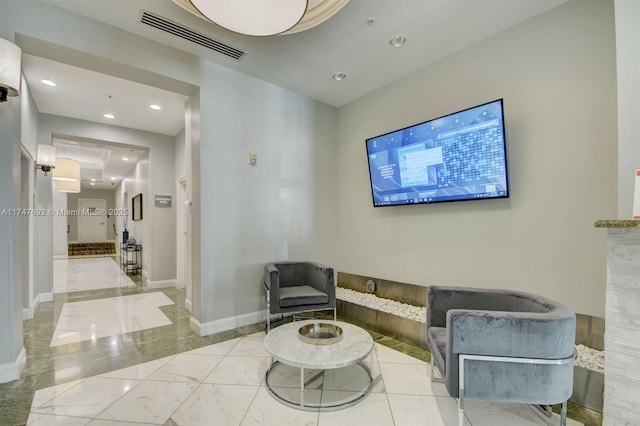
column 295, row 287
column 501, row 345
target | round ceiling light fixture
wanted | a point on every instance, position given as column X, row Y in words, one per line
column 264, row 17
column 397, row 40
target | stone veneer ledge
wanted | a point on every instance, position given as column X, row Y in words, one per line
column 622, row 323
column 588, row 358
column 617, row 223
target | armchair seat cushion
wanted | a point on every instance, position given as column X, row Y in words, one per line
column 301, row 295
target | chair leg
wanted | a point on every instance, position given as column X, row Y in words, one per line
column 433, row 371
column 461, row 408
column 335, row 316
column 268, row 312
column 563, row 414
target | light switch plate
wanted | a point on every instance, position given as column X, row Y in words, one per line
column 252, row 159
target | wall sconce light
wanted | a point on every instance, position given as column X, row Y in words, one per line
column 66, row 170
column 46, row 158
column 69, row 186
column 10, row 63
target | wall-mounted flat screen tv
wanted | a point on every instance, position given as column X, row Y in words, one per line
column 461, row 156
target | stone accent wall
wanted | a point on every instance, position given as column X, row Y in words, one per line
column 622, row 329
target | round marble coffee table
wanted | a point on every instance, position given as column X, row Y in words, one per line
column 285, row 347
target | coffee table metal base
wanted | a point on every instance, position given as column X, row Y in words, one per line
column 307, row 406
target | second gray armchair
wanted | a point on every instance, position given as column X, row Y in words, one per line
column 295, row 287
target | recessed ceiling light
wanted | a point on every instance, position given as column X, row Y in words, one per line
column 397, row 40
column 125, row 159
column 92, row 184
column 109, row 116
column 155, row 107
column 93, row 180
column 113, row 178
column 339, row 76
column 49, row 83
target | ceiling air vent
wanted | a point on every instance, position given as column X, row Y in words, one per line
column 171, row 27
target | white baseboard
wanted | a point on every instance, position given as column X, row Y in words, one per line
column 28, row 313
column 61, row 257
column 225, row 324
column 162, row 283
column 11, row 371
column 45, row 297
column 145, row 274
column 188, row 305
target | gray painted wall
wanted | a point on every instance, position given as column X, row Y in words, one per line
column 556, row 74
column 627, row 14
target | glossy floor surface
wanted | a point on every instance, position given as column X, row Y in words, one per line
column 166, row 374
column 88, row 273
column 222, row 384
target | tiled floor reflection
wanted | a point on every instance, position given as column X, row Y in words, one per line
column 167, row 374
column 93, row 319
column 80, row 274
column 223, row 384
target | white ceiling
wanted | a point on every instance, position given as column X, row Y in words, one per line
column 88, row 95
column 303, row 62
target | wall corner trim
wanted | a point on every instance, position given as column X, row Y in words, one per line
column 11, row 371
column 162, row 283
column 224, row 324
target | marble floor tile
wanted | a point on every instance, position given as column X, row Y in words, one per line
column 353, row 378
column 264, row 411
column 221, row 348
column 250, row 346
column 43, row 396
column 385, row 354
column 410, row 379
column 95, row 319
column 137, row 372
column 87, row 399
column 194, row 387
column 239, row 370
column 485, row 413
column 409, row 410
column 186, row 368
column 372, row 411
column 70, row 275
column 149, row 402
column 168, row 375
column 48, row 420
column 312, row 397
column 286, row 376
column 215, row 404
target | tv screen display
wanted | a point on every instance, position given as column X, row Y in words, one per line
column 461, row 156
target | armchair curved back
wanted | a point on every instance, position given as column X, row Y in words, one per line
column 307, row 286
column 502, row 323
